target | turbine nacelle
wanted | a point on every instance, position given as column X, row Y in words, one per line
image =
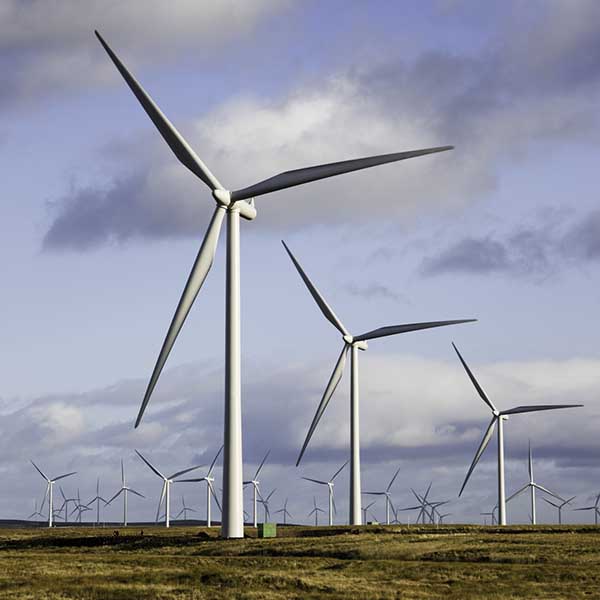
column 246, row 209
column 360, row 345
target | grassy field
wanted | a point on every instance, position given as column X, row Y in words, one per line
column 340, row 562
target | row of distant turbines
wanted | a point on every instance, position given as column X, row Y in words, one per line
column 429, row 509
column 240, row 203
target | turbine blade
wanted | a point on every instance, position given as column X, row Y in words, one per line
column 212, row 491
column 289, row 179
column 396, row 329
column 547, row 491
column 185, row 471
column 314, row 480
column 150, row 465
column 393, row 479
column 410, row 508
column 484, row 442
column 517, row 492
column 195, row 280
column 314, row 292
column 122, row 474
column 116, row 495
column 474, row 381
column 334, row 506
column 530, row 464
column 178, row 145
column 162, row 496
column 39, row 470
column 332, row 384
column 136, row 493
column 339, row 470
column 198, row 479
column 261, row 464
column 552, row 503
column 212, row 464
column 374, row 493
column 536, row 408
column 65, row 475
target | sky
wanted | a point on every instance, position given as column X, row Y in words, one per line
column 100, row 225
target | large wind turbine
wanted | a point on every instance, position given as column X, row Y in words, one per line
column 498, row 417
column 166, row 487
column 125, row 489
column 532, row 485
column 255, row 490
column 234, row 204
column 386, row 493
column 329, row 485
column 352, row 344
column 209, row 487
column 49, row 490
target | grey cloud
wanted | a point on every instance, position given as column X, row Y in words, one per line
column 374, row 290
column 49, row 47
column 529, row 252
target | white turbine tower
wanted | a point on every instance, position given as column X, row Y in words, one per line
column 498, row 417
column 329, row 484
column 49, row 491
column 166, row 488
column 315, row 511
column 125, row 489
column 255, row 490
column 386, row 493
column 532, row 485
column 235, row 204
column 284, row 511
column 559, row 506
column 352, row 344
column 210, row 491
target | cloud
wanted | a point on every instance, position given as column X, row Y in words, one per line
column 494, row 106
column 534, row 252
column 48, row 48
column 429, row 424
column 374, row 290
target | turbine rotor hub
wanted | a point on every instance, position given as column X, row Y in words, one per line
column 362, row 345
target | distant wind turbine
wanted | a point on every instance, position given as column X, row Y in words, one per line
column 265, row 503
column 79, row 508
column 184, row 511
column 210, row 491
column 49, row 490
column 387, row 494
column 532, row 486
column 36, row 512
column 256, row 490
column 498, row 417
column 65, row 504
column 97, row 499
column 234, row 204
column 166, row 487
column 594, row 507
column 559, row 506
column 315, row 511
column 329, row 484
column 352, row 344
column 284, row 511
column 125, row 489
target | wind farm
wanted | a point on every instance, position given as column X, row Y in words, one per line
column 218, row 163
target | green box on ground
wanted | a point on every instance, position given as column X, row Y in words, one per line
column 267, row 530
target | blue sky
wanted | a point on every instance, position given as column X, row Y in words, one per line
column 100, row 226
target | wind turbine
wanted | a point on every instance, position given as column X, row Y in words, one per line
column 234, row 204
column 65, row 503
column 559, row 506
column 255, row 490
column 49, row 490
column 498, row 417
column 442, row 517
column 125, row 489
column 365, row 509
column 209, row 487
column 285, row 512
column 488, row 514
column 532, row 485
column 329, row 485
column 265, row 503
column 97, row 500
column 35, row 512
column 184, row 510
column 386, row 493
column 79, row 508
column 352, row 344
column 316, row 510
column 594, row 507
column 166, row 488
